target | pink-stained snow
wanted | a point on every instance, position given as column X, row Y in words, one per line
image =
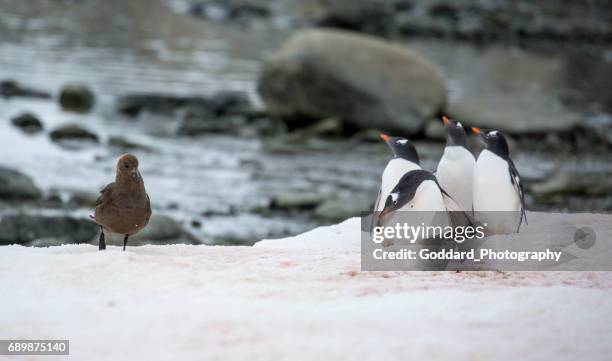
column 299, row 298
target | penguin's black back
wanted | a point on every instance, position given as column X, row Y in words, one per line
column 410, row 182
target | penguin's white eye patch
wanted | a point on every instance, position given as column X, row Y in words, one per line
column 402, row 141
column 394, row 197
column 493, row 132
column 459, row 124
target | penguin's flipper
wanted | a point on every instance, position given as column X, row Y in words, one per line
column 515, row 179
column 450, row 203
column 457, row 216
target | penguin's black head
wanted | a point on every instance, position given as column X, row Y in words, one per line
column 401, row 148
column 392, row 204
column 405, row 191
column 494, row 140
column 455, row 134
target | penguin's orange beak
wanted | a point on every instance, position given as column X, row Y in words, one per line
column 385, row 212
column 475, row 130
column 445, row 119
column 382, row 217
column 384, row 137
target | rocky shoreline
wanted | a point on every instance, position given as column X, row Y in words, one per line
column 230, row 113
column 297, row 146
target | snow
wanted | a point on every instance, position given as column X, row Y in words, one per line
column 299, row 298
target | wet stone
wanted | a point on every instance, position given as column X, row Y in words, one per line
column 27, row 122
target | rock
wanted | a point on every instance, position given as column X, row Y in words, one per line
column 373, row 16
column 172, row 206
column 364, row 81
column 229, row 10
column 222, row 211
column 83, row 199
column 222, row 113
column 125, row 144
column 340, row 209
column 234, row 240
column 568, row 184
column 76, row 98
column 229, row 102
column 196, row 124
column 297, row 200
column 133, row 104
column 10, row 88
column 15, row 185
column 27, row 122
column 161, row 229
column 282, row 145
column 48, row 242
column 21, row 228
column 219, row 104
column 265, row 126
column 513, row 117
column 71, row 132
column 54, row 198
column 330, row 126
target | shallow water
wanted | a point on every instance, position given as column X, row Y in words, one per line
column 118, row 47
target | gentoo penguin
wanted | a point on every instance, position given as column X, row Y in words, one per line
column 405, row 159
column 419, row 191
column 456, row 167
column 497, row 185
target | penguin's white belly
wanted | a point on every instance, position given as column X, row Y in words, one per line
column 493, row 190
column 455, row 174
column 494, row 193
column 395, row 170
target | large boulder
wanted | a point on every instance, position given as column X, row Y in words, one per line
column 335, row 210
column 15, row 185
column 365, row 81
column 219, row 104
